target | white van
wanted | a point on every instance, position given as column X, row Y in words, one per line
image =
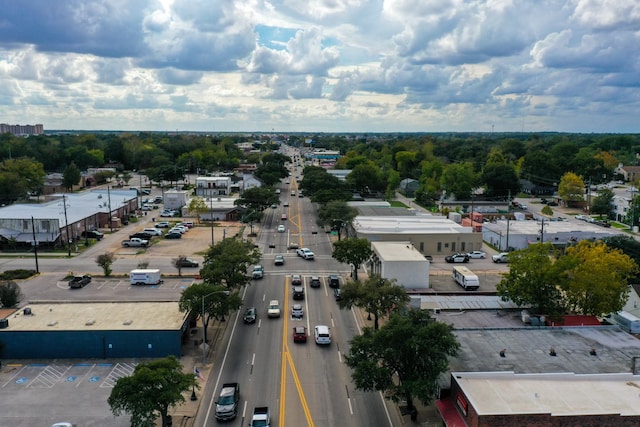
column 322, row 335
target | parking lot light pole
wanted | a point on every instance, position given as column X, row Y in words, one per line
column 204, row 327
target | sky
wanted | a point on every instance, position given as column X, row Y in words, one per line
column 322, row 65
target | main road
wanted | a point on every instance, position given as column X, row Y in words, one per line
column 302, row 384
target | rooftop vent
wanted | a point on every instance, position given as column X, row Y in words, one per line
column 52, row 323
column 127, row 322
column 27, row 311
column 90, row 322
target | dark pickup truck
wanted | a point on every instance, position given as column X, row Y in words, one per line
column 79, row 281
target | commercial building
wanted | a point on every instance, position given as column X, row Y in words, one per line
column 401, row 262
column 94, row 330
column 22, row 130
column 430, row 234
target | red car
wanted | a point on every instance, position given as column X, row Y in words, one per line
column 300, row 334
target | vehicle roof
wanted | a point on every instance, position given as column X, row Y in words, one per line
column 274, row 302
column 300, row 329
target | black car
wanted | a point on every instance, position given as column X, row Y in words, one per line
column 141, row 235
column 314, row 282
column 186, row 262
column 298, row 292
column 337, row 293
column 334, row 281
column 93, row 234
column 250, row 315
column 173, row 235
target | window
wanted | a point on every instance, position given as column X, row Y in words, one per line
column 462, row 246
column 453, row 246
column 46, row 225
column 439, row 247
column 421, row 246
column 25, row 224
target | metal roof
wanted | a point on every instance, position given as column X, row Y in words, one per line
column 414, row 224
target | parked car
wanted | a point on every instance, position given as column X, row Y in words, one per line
column 297, row 312
column 141, row 235
column 314, row 282
column 457, row 258
column 477, row 254
column 502, row 257
column 279, row 260
column 147, row 207
column 250, row 315
column 299, row 334
column 173, row 235
column 163, row 224
column 93, row 234
column 186, row 262
column 153, row 231
column 305, row 253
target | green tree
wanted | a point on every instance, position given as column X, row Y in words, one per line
column 336, row 214
column 352, row 251
column 226, row 263
column 20, row 177
column 71, row 176
column 199, row 206
column 459, row 179
column 152, row 389
column 571, row 188
column 595, row 278
column 629, row 246
column 376, row 295
column 105, row 261
column 366, row 178
column 404, row 358
column 257, row 198
column 532, row 280
column 602, row 204
column 10, row 293
column 499, row 176
column 218, row 302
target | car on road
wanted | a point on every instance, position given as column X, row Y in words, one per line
column 296, row 280
column 227, row 403
column 293, row 245
column 163, row 224
column 285, row 205
column 314, row 282
column 279, row 260
column 477, row 255
column 334, row 281
column 298, row 292
column 502, row 257
column 337, row 294
column 258, row 272
column 297, row 312
column 457, row 258
column 305, row 253
column 250, row 315
column 147, row 207
column 281, row 228
column 173, row 235
column 186, row 262
column 299, row 334
column 322, row 335
column 274, row 309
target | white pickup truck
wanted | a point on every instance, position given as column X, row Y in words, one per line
column 135, row 242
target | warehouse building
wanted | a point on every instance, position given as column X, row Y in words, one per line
column 401, row 262
column 94, row 330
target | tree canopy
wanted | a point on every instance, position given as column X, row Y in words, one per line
column 152, row 389
column 404, row 358
column 352, row 251
column 226, row 262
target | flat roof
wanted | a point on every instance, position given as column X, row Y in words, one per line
column 397, row 251
column 533, row 227
column 413, row 224
column 98, row 316
column 79, row 205
column 558, row 394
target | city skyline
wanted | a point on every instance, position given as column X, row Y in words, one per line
column 337, row 67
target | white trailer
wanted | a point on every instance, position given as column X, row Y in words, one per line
column 627, row 321
column 145, row 277
column 466, row 278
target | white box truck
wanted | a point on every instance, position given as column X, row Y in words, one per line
column 466, row 278
column 145, row 277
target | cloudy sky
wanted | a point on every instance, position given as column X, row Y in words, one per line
column 322, row 65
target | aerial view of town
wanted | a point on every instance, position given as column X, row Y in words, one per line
column 326, row 214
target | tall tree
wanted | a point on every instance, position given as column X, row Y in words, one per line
column 219, row 302
column 366, row 178
column 226, row 263
column 198, row 205
column 19, row 177
column 71, row 176
column 404, row 358
column 595, row 278
column 532, row 280
column 571, row 188
column 151, row 390
column 378, row 296
column 352, row 251
column 336, row 214
column 499, row 176
column 602, row 204
column 257, row 198
column 459, row 179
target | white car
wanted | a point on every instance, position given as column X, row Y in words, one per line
column 274, row 308
column 477, row 254
column 281, row 228
column 305, row 253
column 153, row 231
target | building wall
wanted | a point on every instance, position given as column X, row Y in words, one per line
column 89, row 344
column 430, row 244
column 409, row 274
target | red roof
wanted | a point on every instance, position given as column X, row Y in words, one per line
column 449, row 413
column 575, row 320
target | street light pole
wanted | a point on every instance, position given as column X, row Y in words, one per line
column 204, row 326
column 66, row 223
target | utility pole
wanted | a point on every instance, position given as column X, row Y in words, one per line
column 508, row 219
column 109, row 199
column 211, row 216
column 35, row 243
column 542, row 230
column 66, row 223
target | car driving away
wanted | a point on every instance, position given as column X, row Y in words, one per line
column 250, row 315
column 457, row 258
column 279, row 260
column 299, row 334
column 297, row 312
column 305, row 253
column 296, row 280
column 227, row 403
column 477, row 255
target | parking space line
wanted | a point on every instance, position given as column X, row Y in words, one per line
column 119, row 370
column 22, row 368
column 49, row 376
column 82, row 380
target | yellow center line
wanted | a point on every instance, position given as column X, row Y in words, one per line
column 303, row 399
column 283, row 361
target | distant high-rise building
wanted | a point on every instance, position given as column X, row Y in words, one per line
column 22, row 130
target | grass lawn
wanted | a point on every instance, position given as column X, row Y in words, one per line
column 397, row 204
